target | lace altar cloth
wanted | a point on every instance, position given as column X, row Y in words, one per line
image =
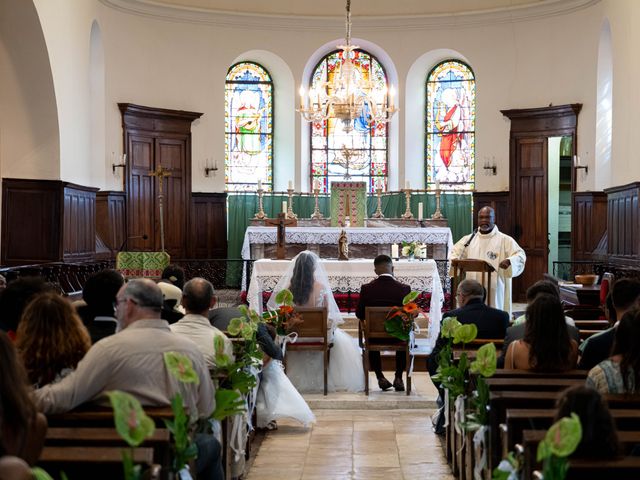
column 355, row 235
column 349, row 276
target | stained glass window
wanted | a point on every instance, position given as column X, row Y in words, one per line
column 355, row 151
column 450, row 126
column 248, row 127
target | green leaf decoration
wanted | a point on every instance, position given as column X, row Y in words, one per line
column 228, row 403
column 235, row 326
column 181, row 367
column 284, row 297
column 465, row 333
column 242, row 380
column 410, row 297
column 40, row 474
column 132, row 424
column 561, row 439
column 449, row 326
column 486, row 362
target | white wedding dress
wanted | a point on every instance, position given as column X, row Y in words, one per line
column 305, row 369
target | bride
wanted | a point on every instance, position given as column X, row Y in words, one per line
column 309, row 283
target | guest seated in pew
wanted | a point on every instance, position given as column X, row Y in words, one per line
column 99, row 294
column 51, row 339
column 198, row 298
column 132, row 360
column 174, row 275
column 172, row 311
column 599, row 435
column 625, row 294
column 15, row 298
column 516, row 332
column 22, row 427
column 621, row 372
column 546, row 346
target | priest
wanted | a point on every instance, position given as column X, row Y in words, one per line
column 499, row 250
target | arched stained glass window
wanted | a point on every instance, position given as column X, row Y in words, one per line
column 354, row 151
column 450, row 126
column 248, row 127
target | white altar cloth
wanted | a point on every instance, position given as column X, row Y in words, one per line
column 349, row 276
column 356, row 235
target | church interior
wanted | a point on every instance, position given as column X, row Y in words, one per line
column 228, row 137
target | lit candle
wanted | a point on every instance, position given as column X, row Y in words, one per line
column 420, row 211
column 407, row 185
column 394, row 250
column 290, row 184
column 259, row 184
column 284, row 206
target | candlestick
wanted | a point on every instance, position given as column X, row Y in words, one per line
column 437, row 214
column 420, row 206
column 378, row 213
column 260, row 213
column 407, row 213
column 290, row 213
column 317, row 215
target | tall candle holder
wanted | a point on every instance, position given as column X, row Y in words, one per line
column 437, row 215
column 378, row 213
column 407, row 195
column 290, row 213
column 317, row 215
column 260, row 213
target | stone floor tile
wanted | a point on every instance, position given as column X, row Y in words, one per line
column 376, row 460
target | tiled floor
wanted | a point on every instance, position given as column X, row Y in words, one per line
column 353, row 444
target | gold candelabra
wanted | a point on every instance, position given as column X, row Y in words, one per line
column 317, row 215
column 290, row 213
column 437, row 215
column 407, row 195
column 260, row 214
column 378, row 213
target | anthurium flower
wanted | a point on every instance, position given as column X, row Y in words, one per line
column 132, row 424
column 181, row 367
column 284, row 297
column 286, row 309
column 410, row 297
column 411, row 308
column 235, row 326
column 561, row 439
column 485, row 363
column 465, row 333
column 449, row 326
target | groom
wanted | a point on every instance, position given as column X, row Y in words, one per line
column 384, row 291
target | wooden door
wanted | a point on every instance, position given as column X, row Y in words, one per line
column 141, row 207
column 531, row 213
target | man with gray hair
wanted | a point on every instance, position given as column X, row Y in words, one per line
column 197, row 299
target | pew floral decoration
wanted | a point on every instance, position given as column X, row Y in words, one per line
column 285, row 318
column 450, row 374
column 400, row 321
column 561, row 440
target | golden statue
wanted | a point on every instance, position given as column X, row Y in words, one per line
column 343, row 246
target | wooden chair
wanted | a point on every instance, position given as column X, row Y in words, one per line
column 373, row 337
column 312, row 336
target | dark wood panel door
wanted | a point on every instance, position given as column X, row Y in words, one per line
column 531, row 214
column 141, row 209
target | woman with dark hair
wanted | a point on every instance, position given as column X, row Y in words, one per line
column 51, row 339
column 621, row 372
column 546, row 345
column 22, row 428
column 599, row 436
column 99, row 293
column 309, row 284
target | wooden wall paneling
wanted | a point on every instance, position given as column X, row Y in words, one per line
column 500, row 202
column 588, row 223
column 208, row 225
column 79, row 219
column 111, row 218
column 623, row 224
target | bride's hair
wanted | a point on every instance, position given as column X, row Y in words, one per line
column 303, row 278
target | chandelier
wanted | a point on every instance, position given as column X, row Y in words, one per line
column 348, row 95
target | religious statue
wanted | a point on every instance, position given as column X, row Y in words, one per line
column 343, row 246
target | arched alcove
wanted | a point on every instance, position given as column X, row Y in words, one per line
column 100, row 160
column 604, row 108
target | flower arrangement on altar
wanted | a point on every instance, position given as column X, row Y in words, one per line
column 400, row 321
column 412, row 249
column 285, row 317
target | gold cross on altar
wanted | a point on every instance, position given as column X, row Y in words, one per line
column 160, row 172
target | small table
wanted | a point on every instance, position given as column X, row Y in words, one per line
column 577, row 294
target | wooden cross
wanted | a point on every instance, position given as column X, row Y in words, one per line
column 281, row 222
column 161, row 172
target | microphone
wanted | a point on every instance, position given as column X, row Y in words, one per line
column 471, row 238
column 144, row 236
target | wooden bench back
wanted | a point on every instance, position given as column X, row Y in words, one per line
column 374, row 318
column 314, row 324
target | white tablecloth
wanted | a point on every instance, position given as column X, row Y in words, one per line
column 349, row 276
column 355, row 235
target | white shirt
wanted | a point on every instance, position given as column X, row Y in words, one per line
column 199, row 330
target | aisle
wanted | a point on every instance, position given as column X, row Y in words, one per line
column 353, row 444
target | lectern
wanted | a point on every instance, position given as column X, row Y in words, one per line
column 462, row 267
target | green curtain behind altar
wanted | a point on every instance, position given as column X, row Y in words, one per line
column 456, row 207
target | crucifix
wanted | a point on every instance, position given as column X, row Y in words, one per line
column 160, row 172
column 281, row 222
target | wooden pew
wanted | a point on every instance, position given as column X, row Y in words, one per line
column 584, row 334
column 507, row 373
column 592, row 324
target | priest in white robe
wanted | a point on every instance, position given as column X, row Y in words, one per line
column 499, row 250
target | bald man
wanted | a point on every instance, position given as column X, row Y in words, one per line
column 499, row 250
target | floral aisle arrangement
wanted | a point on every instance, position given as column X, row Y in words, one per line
column 412, row 249
column 400, row 321
column 285, row 318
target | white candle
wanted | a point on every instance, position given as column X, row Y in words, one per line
column 407, row 185
column 259, row 184
column 437, row 184
column 420, row 211
column 284, row 206
column 576, row 160
column 394, row 251
column 290, row 184
column 301, row 97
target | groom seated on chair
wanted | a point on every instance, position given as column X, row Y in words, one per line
column 384, row 291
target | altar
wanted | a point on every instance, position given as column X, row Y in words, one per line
column 368, row 241
column 349, row 276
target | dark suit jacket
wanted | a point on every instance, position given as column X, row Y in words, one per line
column 517, row 333
column 220, row 318
column 384, row 291
column 491, row 323
column 597, row 349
